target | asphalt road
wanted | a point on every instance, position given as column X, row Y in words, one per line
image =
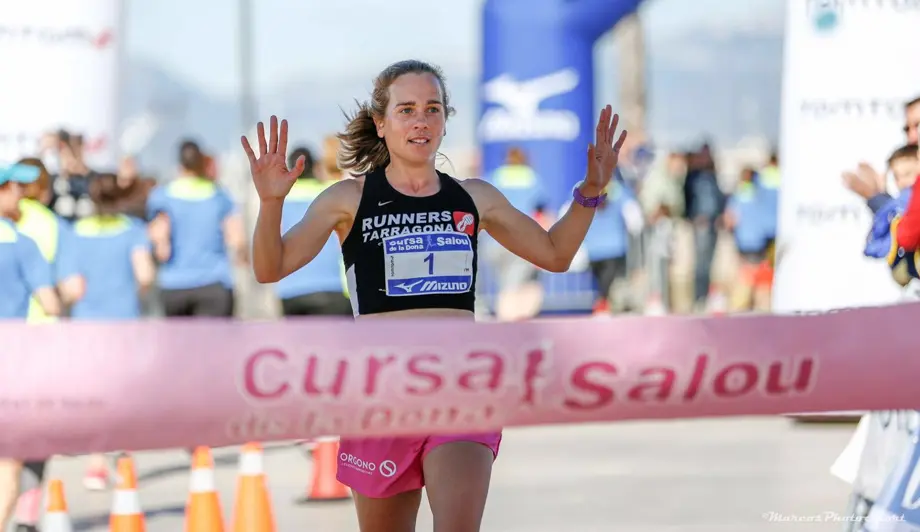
column 714, row 476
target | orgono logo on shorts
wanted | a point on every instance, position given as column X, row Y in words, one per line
column 387, row 468
column 358, row 464
column 464, row 222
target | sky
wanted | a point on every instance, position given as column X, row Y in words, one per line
column 196, row 39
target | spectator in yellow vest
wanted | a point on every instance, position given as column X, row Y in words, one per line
column 105, row 265
column 24, row 274
column 40, row 223
column 197, row 233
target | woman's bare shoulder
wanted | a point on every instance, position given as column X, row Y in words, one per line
column 347, row 189
column 475, row 186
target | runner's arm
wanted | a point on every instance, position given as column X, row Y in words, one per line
column 274, row 256
column 551, row 250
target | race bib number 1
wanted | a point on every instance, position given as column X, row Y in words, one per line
column 428, row 263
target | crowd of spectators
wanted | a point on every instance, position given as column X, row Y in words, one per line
column 658, row 200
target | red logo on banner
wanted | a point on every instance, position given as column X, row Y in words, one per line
column 59, row 36
column 464, row 222
column 103, row 39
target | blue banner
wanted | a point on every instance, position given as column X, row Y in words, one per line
column 537, row 88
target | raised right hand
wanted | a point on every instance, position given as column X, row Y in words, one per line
column 270, row 173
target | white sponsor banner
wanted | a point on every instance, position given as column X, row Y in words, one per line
column 847, row 74
column 60, row 64
column 848, row 70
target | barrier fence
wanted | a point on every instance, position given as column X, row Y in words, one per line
column 73, row 388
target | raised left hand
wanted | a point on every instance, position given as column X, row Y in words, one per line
column 603, row 154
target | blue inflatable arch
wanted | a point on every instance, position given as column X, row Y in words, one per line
column 537, row 87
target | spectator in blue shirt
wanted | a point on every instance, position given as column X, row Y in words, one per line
column 104, row 264
column 751, row 218
column 881, row 242
column 317, row 288
column 607, row 244
column 24, row 273
column 197, row 233
column 871, row 185
column 520, row 295
column 705, row 204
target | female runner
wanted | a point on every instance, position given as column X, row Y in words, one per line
column 390, row 144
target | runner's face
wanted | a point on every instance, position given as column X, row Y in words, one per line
column 415, row 119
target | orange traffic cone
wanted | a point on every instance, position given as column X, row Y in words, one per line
column 252, row 511
column 325, row 487
column 203, row 512
column 56, row 518
column 127, row 515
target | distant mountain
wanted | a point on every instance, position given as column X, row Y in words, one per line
column 182, row 110
column 728, row 87
column 724, row 86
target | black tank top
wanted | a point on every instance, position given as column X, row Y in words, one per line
column 405, row 252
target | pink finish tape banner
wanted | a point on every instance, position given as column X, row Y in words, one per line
column 72, row 388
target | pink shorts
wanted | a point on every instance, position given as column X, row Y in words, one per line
column 384, row 467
